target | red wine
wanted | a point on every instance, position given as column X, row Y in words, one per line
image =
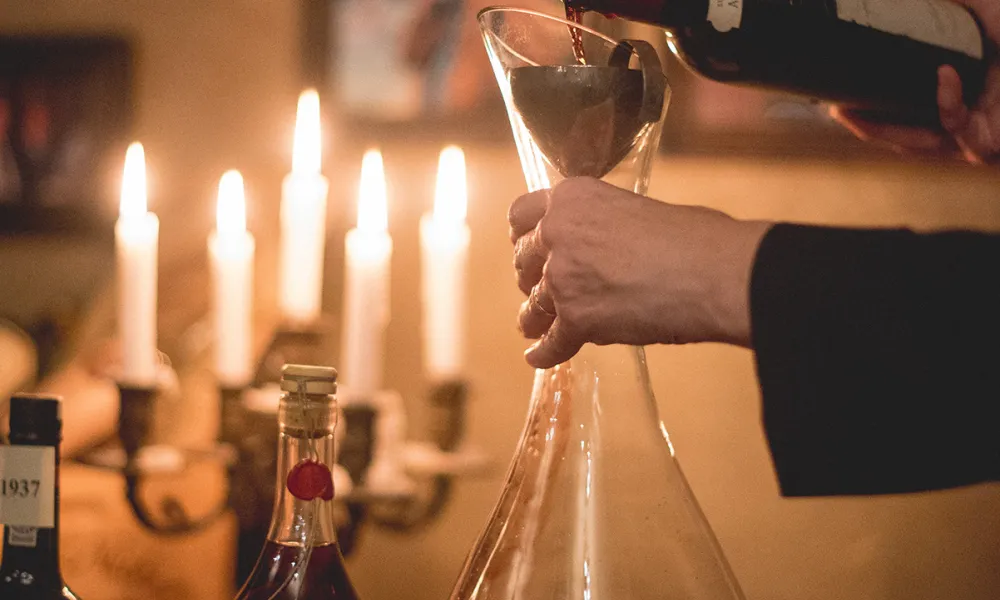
column 29, row 485
column 873, row 55
column 324, row 578
column 585, row 119
column 575, row 15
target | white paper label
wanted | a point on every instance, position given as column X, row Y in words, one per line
column 939, row 22
column 23, row 537
column 725, row 14
column 27, row 486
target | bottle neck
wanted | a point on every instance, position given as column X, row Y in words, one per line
column 306, row 435
column 35, row 550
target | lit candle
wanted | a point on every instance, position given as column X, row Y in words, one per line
column 303, row 219
column 444, row 243
column 231, row 248
column 366, row 287
column 136, row 237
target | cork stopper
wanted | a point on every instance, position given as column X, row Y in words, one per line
column 308, row 407
column 309, row 379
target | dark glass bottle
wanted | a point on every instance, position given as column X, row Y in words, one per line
column 29, row 502
column 879, row 56
column 301, row 559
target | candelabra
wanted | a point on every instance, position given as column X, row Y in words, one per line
column 382, row 478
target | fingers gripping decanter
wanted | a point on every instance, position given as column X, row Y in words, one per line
column 301, row 559
column 594, row 506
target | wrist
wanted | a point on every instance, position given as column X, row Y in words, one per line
column 730, row 298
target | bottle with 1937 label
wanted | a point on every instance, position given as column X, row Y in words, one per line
column 29, row 502
column 880, row 56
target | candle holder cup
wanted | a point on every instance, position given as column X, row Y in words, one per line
column 138, row 459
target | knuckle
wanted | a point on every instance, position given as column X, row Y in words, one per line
column 547, row 231
column 572, row 187
column 557, row 276
column 519, row 247
column 524, row 283
column 515, row 209
column 571, row 315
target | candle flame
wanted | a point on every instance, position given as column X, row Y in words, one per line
column 133, row 198
column 372, row 209
column 306, row 152
column 451, row 192
column 231, row 210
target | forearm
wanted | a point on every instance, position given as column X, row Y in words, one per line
column 869, row 348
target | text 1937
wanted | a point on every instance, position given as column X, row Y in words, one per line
column 19, row 488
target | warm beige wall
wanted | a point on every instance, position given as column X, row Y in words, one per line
column 932, row 546
column 940, row 545
column 216, row 88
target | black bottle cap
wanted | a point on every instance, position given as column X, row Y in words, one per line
column 35, row 414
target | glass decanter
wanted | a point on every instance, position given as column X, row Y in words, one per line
column 594, row 506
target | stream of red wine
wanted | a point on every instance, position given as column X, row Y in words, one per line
column 576, row 16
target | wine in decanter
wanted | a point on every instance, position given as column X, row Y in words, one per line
column 301, row 559
column 29, row 501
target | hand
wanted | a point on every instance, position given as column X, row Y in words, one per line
column 603, row 265
column 972, row 132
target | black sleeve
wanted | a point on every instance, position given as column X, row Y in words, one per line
column 877, row 356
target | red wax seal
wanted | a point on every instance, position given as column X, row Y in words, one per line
column 309, row 480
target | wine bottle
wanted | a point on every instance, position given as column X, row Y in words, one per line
column 301, row 559
column 29, row 501
column 874, row 56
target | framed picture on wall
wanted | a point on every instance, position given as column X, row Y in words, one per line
column 65, row 114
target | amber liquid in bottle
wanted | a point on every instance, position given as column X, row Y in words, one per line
column 301, row 559
column 324, row 577
column 30, row 568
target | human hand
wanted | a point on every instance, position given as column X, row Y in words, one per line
column 971, row 132
column 603, row 265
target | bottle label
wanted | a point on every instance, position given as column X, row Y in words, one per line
column 939, row 22
column 27, row 486
column 22, row 537
column 725, row 14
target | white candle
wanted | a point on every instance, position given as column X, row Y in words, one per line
column 303, row 219
column 444, row 243
column 136, row 236
column 366, row 286
column 231, row 248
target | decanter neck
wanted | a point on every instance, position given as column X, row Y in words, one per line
column 607, row 383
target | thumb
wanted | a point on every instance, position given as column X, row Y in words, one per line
column 555, row 347
column 973, row 130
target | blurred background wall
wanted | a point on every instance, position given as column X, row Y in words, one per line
column 215, row 89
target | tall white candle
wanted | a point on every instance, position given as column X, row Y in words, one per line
column 444, row 243
column 136, row 237
column 303, row 219
column 231, row 248
column 366, row 286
